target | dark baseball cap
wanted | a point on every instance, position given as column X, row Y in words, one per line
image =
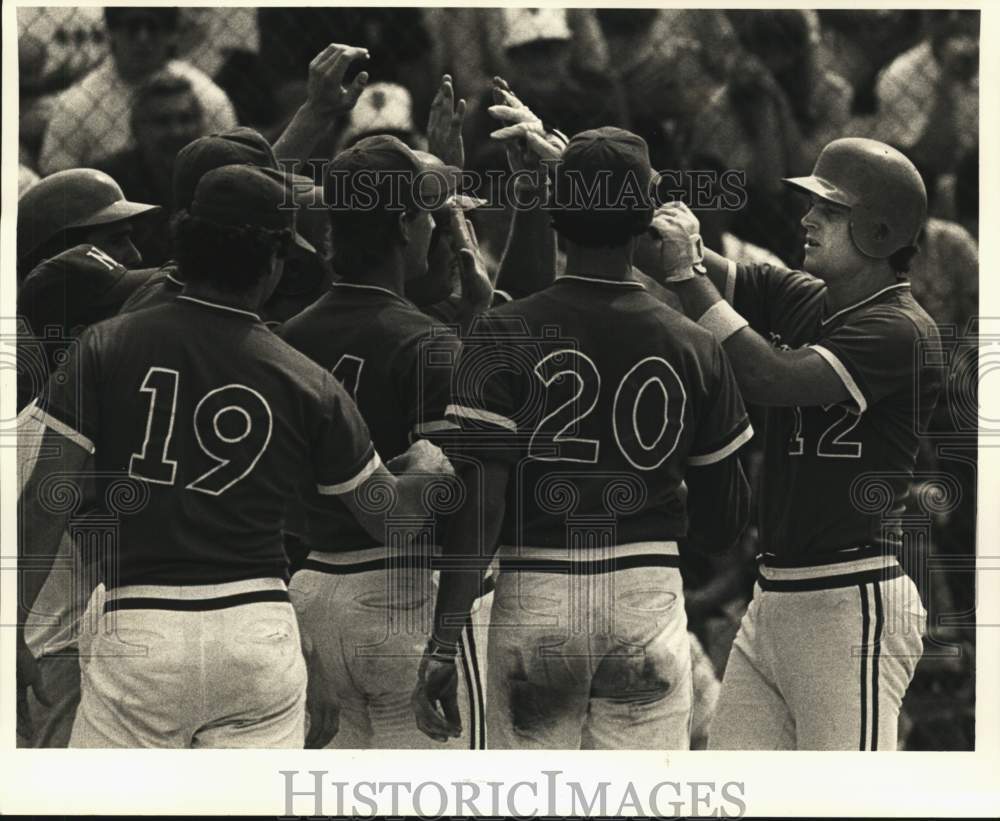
column 601, row 186
column 238, row 146
column 382, row 173
column 242, row 195
column 76, row 288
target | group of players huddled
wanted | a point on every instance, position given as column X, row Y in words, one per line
column 484, row 485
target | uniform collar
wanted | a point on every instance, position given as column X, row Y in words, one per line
column 353, row 286
column 218, row 306
column 897, row 287
column 626, row 283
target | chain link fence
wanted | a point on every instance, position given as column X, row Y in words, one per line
column 756, row 92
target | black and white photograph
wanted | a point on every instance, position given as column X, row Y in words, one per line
column 492, row 410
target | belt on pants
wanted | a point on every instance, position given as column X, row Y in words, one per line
column 194, row 598
column 849, row 568
column 589, row 561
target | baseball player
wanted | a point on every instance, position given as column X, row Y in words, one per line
column 365, row 604
column 81, row 205
column 327, row 98
column 843, row 358
column 589, row 405
column 214, row 423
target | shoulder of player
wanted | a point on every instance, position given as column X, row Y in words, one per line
column 899, row 317
column 794, row 277
column 302, row 370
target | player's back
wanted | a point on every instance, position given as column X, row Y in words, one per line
column 223, row 423
column 609, row 395
column 394, row 361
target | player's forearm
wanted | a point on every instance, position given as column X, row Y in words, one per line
column 717, row 268
column 473, row 536
column 699, row 294
column 300, row 136
column 528, row 263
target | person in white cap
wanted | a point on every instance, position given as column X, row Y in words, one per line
column 382, row 108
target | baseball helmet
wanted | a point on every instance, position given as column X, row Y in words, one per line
column 883, row 189
column 76, row 198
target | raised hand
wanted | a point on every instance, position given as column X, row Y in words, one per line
column 523, row 133
column 668, row 251
column 325, row 90
column 444, row 125
column 477, row 289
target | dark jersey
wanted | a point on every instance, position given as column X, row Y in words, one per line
column 599, row 396
column 221, row 422
column 395, row 362
column 834, row 477
column 160, row 288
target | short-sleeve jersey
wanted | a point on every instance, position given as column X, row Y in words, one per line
column 834, row 478
column 220, row 422
column 600, row 397
column 395, row 362
column 161, row 287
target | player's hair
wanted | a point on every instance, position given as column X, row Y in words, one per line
column 361, row 239
column 900, row 260
column 600, row 230
column 230, row 258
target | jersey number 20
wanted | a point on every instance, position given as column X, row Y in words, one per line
column 224, row 427
column 644, row 450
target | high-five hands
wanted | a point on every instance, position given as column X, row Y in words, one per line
column 477, row 289
column 523, row 134
column 671, row 250
column 325, row 90
column 444, row 125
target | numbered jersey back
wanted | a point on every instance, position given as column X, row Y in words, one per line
column 600, row 397
column 220, row 423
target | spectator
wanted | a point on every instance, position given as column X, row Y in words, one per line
column 398, row 40
column 858, row 44
column 946, row 247
column 967, row 191
column 769, row 119
column 469, row 45
column 539, row 52
column 33, row 104
column 166, row 116
column 75, row 40
column 928, row 97
column 91, row 120
column 669, row 62
column 819, row 99
column 382, row 108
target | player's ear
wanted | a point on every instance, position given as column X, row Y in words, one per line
column 403, row 224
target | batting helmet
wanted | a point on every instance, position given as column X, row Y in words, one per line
column 883, row 189
column 77, row 198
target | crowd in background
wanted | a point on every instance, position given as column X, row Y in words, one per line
column 123, row 90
